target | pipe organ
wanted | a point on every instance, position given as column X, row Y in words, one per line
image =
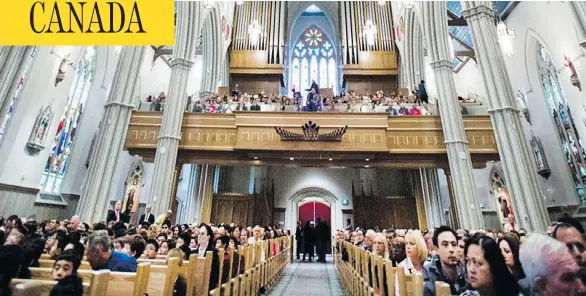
column 365, row 43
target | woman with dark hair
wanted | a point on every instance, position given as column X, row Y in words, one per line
column 509, row 245
column 488, row 274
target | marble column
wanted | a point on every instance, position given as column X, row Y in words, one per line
column 436, row 33
column 12, row 63
column 514, row 150
column 580, row 8
column 95, row 198
column 187, row 30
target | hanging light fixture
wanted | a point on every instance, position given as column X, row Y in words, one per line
column 408, row 3
column 254, row 32
column 369, row 31
column 239, row 3
column 505, row 38
column 382, row 2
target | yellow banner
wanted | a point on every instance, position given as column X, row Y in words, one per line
column 87, row 22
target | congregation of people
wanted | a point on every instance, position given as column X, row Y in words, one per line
column 481, row 262
column 395, row 104
column 119, row 246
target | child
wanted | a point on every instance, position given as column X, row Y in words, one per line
column 65, row 272
column 180, row 286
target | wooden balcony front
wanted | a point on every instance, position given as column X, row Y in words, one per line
column 371, row 140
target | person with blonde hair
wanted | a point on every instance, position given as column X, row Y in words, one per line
column 417, row 253
column 380, row 246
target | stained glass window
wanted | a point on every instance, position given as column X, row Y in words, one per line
column 19, row 86
column 564, row 122
column 62, row 147
column 315, row 53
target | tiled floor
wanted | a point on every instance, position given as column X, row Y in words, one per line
column 308, row 279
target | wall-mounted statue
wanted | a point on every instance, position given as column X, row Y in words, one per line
column 573, row 75
column 522, row 103
column 36, row 140
column 539, row 154
column 63, row 68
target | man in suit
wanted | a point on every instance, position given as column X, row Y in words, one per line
column 147, row 216
column 309, row 240
column 299, row 238
column 117, row 215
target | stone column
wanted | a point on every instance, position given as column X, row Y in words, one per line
column 514, row 150
column 580, row 8
column 436, row 34
column 430, row 195
column 453, row 207
column 12, row 63
column 95, row 199
column 187, row 30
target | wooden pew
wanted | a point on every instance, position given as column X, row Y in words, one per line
column 442, row 289
column 47, row 256
column 95, row 284
column 48, row 263
column 118, row 283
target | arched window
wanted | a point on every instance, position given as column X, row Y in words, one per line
column 564, row 123
column 62, row 147
column 313, row 59
column 19, row 86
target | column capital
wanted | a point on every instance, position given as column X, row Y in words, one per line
column 441, row 65
column 479, row 9
column 178, row 62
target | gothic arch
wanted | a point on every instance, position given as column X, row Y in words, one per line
column 291, row 209
column 330, row 9
column 213, row 56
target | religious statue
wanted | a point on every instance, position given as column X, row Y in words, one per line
column 36, row 140
column 522, row 102
column 62, row 68
column 132, row 188
column 573, row 75
column 539, row 154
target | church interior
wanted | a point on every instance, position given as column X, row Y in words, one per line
column 371, row 114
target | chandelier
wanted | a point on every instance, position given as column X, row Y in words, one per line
column 408, row 4
column 254, row 31
column 369, row 31
column 239, row 2
column 505, row 38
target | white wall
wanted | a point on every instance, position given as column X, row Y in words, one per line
column 554, row 25
column 469, row 80
column 154, row 78
column 18, row 166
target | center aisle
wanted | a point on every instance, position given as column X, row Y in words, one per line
column 309, row 279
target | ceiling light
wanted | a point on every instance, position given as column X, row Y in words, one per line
column 330, row 159
column 367, row 159
column 382, row 2
column 366, row 166
column 408, row 3
column 255, row 157
column 291, row 158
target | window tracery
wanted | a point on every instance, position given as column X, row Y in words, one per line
column 60, row 153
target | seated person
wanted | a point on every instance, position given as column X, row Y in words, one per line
column 101, row 256
column 198, row 107
column 392, row 110
column 151, row 249
column 255, row 105
column 313, row 101
column 65, row 273
column 445, row 266
column 134, row 246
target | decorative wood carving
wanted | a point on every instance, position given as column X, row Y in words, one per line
column 311, row 133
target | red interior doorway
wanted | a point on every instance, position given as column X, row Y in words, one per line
column 311, row 209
